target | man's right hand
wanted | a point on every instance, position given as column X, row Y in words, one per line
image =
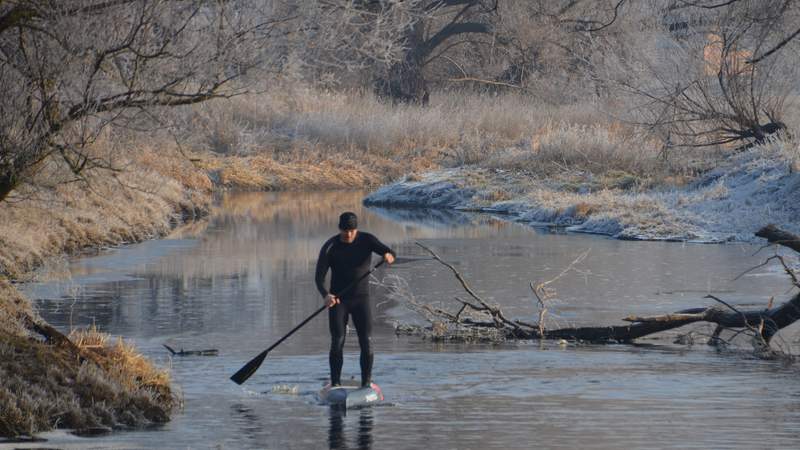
column 331, row 300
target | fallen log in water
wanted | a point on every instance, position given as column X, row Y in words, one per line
column 479, row 316
column 182, row 352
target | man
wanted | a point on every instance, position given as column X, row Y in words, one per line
column 349, row 256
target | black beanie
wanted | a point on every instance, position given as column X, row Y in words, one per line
column 348, row 221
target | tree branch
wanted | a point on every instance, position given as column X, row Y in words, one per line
column 447, row 32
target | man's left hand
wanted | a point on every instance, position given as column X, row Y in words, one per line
column 389, row 258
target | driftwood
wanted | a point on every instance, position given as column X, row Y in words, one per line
column 761, row 324
column 182, row 352
column 50, row 334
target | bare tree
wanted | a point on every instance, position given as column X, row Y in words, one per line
column 705, row 76
column 394, row 40
column 404, row 45
column 68, row 69
column 440, row 26
column 553, row 44
column 467, row 40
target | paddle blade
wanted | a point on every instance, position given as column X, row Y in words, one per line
column 249, row 369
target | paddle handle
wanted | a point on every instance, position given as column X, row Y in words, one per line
column 323, row 307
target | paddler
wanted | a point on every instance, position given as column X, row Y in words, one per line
column 349, row 256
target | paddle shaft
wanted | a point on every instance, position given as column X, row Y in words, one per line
column 250, row 368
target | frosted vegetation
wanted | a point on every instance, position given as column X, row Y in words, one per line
column 652, row 119
column 730, row 202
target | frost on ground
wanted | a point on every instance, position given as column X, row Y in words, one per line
column 745, row 192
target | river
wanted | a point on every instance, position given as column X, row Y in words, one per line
column 241, row 279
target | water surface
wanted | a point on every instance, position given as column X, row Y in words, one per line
column 243, row 278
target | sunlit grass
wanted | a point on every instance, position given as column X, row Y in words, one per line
column 301, row 137
column 101, row 382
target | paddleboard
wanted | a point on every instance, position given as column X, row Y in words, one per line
column 350, row 395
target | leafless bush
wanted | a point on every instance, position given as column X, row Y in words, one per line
column 710, row 82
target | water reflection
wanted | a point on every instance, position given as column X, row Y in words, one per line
column 337, row 434
column 432, row 218
column 249, row 424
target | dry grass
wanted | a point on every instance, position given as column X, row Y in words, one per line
column 108, row 384
column 321, row 171
column 597, row 148
column 123, row 362
column 295, row 137
column 46, row 387
column 146, row 200
column 101, row 383
column 12, row 305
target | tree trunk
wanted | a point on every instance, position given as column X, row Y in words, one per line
column 403, row 81
column 8, row 181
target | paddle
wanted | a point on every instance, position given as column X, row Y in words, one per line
column 250, row 368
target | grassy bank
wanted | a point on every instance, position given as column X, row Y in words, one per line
column 153, row 193
column 96, row 384
column 88, row 380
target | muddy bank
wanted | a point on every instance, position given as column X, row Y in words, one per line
column 746, row 191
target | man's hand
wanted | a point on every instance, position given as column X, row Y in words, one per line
column 389, row 258
column 331, row 300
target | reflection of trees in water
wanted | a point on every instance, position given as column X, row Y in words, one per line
column 257, row 246
column 433, row 218
column 337, row 439
column 312, row 207
column 263, row 233
column 154, row 305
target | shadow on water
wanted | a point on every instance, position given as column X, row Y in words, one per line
column 337, row 434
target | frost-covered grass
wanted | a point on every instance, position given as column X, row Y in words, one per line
column 157, row 187
column 45, row 386
column 285, row 133
column 745, row 192
column 597, row 148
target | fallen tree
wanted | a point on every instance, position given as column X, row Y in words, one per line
column 477, row 319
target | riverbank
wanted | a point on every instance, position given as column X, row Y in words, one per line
column 744, row 192
column 87, row 381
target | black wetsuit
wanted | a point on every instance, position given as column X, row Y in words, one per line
column 348, row 262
